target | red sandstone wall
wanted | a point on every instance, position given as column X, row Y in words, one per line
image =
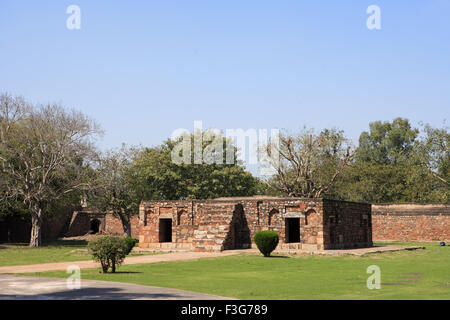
column 347, row 224
column 227, row 224
column 68, row 223
column 273, row 213
column 114, row 226
column 79, row 224
column 18, row 229
column 411, row 222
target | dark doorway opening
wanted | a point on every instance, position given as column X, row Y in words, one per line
column 95, row 226
column 292, row 230
column 165, row 230
column 239, row 235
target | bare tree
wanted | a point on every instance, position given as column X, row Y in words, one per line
column 119, row 188
column 308, row 164
column 44, row 153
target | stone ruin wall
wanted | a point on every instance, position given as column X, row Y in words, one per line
column 215, row 225
column 199, row 220
column 347, row 225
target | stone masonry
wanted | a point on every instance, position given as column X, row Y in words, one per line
column 411, row 222
column 231, row 223
column 200, row 220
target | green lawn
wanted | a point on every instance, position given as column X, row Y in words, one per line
column 54, row 251
column 420, row 274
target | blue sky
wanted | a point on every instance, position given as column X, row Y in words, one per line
column 145, row 68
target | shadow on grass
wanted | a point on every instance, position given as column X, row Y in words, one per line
column 65, row 243
column 7, row 245
column 94, row 293
column 121, row 272
column 46, row 244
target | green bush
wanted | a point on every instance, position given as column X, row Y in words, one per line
column 266, row 241
column 109, row 251
column 130, row 243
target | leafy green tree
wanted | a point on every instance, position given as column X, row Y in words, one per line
column 387, row 142
column 395, row 163
column 433, row 152
column 44, row 152
column 166, row 179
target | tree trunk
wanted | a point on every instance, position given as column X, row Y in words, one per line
column 104, row 266
column 126, row 224
column 36, row 223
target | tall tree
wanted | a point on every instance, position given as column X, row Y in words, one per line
column 309, row 163
column 387, row 142
column 398, row 163
column 44, row 151
column 166, row 179
column 433, row 152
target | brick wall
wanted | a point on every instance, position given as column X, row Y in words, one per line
column 69, row 222
column 228, row 224
column 18, row 229
column 79, row 224
column 113, row 225
column 347, row 224
column 14, row 229
column 411, row 222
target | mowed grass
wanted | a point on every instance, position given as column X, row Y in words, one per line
column 48, row 252
column 420, row 274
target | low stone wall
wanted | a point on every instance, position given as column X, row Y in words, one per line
column 108, row 224
column 194, row 221
column 411, row 222
column 68, row 223
column 18, row 228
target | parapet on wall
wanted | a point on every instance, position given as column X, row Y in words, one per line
column 411, row 222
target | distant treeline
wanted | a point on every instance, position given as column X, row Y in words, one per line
column 48, row 160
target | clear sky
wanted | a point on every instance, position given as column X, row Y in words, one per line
column 146, row 68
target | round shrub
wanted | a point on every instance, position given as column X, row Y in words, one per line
column 266, row 241
column 130, row 243
column 109, row 251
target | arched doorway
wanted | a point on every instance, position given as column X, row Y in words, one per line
column 95, row 226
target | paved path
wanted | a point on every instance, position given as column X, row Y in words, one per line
column 174, row 256
column 37, row 288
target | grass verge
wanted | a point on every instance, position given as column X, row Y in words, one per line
column 419, row 274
